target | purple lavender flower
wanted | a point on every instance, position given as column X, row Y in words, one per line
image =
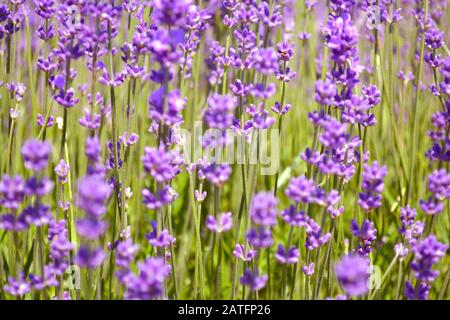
column 162, row 165
column 66, row 98
column 427, row 252
column 253, row 280
column 149, row 283
column 353, row 275
column 434, row 38
column 59, row 247
column 287, row 256
column 91, row 228
column 308, row 269
column 37, row 215
column 222, row 224
column 93, row 149
column 219, row 114
column 342, row 38
column 126, row 251
column 170, row 113
column 17, row 287
column 35, row 154
column 314, row 236
column 217, row 174
column 92, row 195
column 163, row 239
column 89, row 258
column 420, row 293
column 243, row 254
column 334, row 134
column 294, row 217
column 325, row 92
column 162, row 197
column 263, row 209
column 12, row 192
column 366, row 234
column 301, row 189
column 170, row 13
column 285, row 51
column 11, row 222
column 373, row 186
column 260, row 237
column 439, row 184
column 62, row 170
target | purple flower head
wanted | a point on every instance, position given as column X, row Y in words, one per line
column 126, row 251
column 240, row 89
column 35, row 154
column 12, row 222
column 439, row 184
column 281, row 110
column 420, row 292
column 294, row 217
column 263, row 91
column 434, row 38
column 334, row 134
column 263, row 209
column 37, row 215
column 245, row 255
column 401, row 250
column 91, row 228
column 62, row 170
column 427, row 252
column 353, row 274
column 38, row 187
column 217, row 174
column 92, row 195
column 270, row 17
column 366, row 234
column 149, row 283
column 407, row 217
column 170, row 13
column 93, row 149
column 314, row 236
column 260, row 237
column 253, row 280
column 285, row 50
column 162, row 165
column 12, row 192
column 90, row 121
column 162, row 197
column 166, row 108
column 66, row 98
column 287, row 256
column 266, row 61
column 89, row 258
column 41, row 121
column 372, row 95
column 325, row 92
column 431, row 206
column 373, row 186
column 301, row 189
column 163, row 239
column 17, row 287
column 44, row 8
column 342, row 38
column 224, row 223
column 308, row 270
column 219, row 114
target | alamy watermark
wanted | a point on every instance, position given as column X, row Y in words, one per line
column 261, row 147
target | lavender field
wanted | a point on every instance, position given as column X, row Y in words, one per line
column 224, row 149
